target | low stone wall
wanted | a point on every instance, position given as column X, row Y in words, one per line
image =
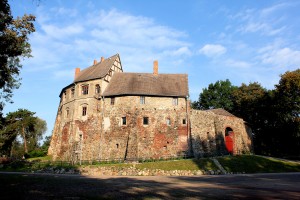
column 133, row 171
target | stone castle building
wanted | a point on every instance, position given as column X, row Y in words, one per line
column 110, row 114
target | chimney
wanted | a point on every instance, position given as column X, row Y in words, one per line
column 155, row 67
column 95, row 62
column 77, row 71
column 102, row 59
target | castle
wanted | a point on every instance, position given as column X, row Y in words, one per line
column 110, row 114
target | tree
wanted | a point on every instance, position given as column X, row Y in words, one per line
column 253, row 103
column 23, row 123
column 287, row 111
column 218, row 95
column 14, row 45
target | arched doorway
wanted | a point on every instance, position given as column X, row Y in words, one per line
column 229, row 139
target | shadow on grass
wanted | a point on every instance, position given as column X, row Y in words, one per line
column 34, row 186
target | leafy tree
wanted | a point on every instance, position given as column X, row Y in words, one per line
column 217, row 95
column 46, row 143
column 23, row 123
column 253, row 103
column 14, row 45
column 287, row 108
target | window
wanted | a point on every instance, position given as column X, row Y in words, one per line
column 85, row 89
column 142, row 100
column 168, row 122
column 97, row 89
column 123, row 120
column 84, row 109
column 175, row 101
column 112, row 101
column 145, row 120
column 65, row 94
column 67, row 113
column 183, row 121
column 72, row 92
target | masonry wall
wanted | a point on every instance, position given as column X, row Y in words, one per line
column 101, row 134
column 208, row 134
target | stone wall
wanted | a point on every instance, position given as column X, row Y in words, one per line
column 208, row 134
column 102, row 135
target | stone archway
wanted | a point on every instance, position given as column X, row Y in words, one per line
column 229, row 140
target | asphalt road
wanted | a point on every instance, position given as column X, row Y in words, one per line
column 246, row 186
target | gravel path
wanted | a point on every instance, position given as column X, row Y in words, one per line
column 249, row 186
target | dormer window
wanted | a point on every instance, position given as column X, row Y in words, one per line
column 85, row 89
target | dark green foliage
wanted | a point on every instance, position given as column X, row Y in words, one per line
column 14, row 45
column 217, row 95
column 274, row 115
column 21, row 123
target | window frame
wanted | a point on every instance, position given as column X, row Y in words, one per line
column 168, row 122
column 142, row 100
column 84, row 110
column 112, row 101
column 175, row 101
column 72, row 92
column 97, row 89
column 124, row 121
column 85, row 89
column 145, row 121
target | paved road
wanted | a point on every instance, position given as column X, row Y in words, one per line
column 250, row 186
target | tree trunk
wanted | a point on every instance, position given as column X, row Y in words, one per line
column 24, row 139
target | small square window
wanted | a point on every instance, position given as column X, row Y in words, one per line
column 84, row 109
column 112, row 101
column 175, row 101
column 123, row 120
column 183, row 121
column 145, row 120
column 142, row 100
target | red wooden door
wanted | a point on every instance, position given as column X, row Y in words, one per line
column 229, row 142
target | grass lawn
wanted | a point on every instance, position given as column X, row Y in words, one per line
column 257, row 164
column 235, row 164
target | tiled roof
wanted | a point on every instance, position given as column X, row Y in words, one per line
column 220, row 111
column 148, row 84
column 96, row 71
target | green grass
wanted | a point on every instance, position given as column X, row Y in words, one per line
column 44, row 158
column 189, row 164
column 257, row 164
column 240, row 163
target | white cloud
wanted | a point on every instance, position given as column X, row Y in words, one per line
column 182, row 51
column 280, row 57
column 212, row 50
column 264, row 21
column 236, row 63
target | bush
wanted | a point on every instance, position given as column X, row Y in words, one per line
column 36, row 153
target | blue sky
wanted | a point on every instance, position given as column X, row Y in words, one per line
column 243, row 41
